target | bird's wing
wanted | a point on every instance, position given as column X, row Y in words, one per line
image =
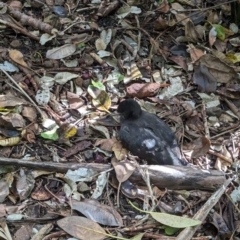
column 141, row 141
column 163, row 131
column 159, row 128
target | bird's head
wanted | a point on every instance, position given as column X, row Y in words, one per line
column 129, row 109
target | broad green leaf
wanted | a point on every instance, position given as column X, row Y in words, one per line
column 174, row 221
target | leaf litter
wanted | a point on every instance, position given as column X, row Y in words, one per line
column 65, row 68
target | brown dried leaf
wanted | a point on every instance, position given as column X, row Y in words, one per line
column 205, row 81
column 195, row 53
column 24, row 185
column 80, row 146
column 191, row 32
column 181, row 61
column 82, row 228
column 142, row 90
column 4, row 190
column 106, row 144
column 10, row 101
column 123, row 169
column 17, row 57
column 201, row 147
column 15, row 119
column 119, row 151
column 161, row 24
column 97, row 212
column 163, row 7
column 218, row 69
column 30, row 113
column 222, row 164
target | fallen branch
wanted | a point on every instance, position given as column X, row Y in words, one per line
column 171, row 177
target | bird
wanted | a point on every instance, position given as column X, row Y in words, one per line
column 146, row 136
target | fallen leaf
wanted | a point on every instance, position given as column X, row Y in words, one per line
column 100, row 213
column 123, row 169
column 17, row 57
column 205, row 81
column 142, row 90
column 82, row 228
column 119, row 151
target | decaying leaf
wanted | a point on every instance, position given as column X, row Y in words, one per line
column 132, row 72
column 221, row 163
column 10, row 141
column 142, row 90
column 200, row 147
column 82, row 228
column 218, row 69
column 17, row 57
column 97, row 212
column 100, row 100
column 61, row 52
column 119, row 151
column 123, row 169
column 205, row 81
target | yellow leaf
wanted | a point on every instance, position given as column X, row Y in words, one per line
column 10, row 141
column 70, row 132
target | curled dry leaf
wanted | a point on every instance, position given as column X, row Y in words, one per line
column 134, row 191
column 80, row 146
column 106, row 144
column 82, row 228
column 123, row 169
column 201, row 147
column 224, row 160
column 142, row 90
column 10, row 101
column 102, row 102
column 4, row 189
column 10, row 141
column 119, row 151
column 132, row 72
column 17, row 57
column 205, row 81
column 195, row 53
column 29, row 113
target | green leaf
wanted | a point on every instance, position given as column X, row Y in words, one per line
column 170, row 230
column 220, row 31
column 81, row 45
column 51, row 134
column 174, row 221
column 120, row 77
column 99, row 85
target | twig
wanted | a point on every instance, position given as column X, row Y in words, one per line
column 24, row 93
column 201, row 215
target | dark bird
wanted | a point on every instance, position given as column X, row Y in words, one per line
column 147, row 136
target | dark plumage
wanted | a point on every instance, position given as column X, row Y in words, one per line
column 147, row 136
